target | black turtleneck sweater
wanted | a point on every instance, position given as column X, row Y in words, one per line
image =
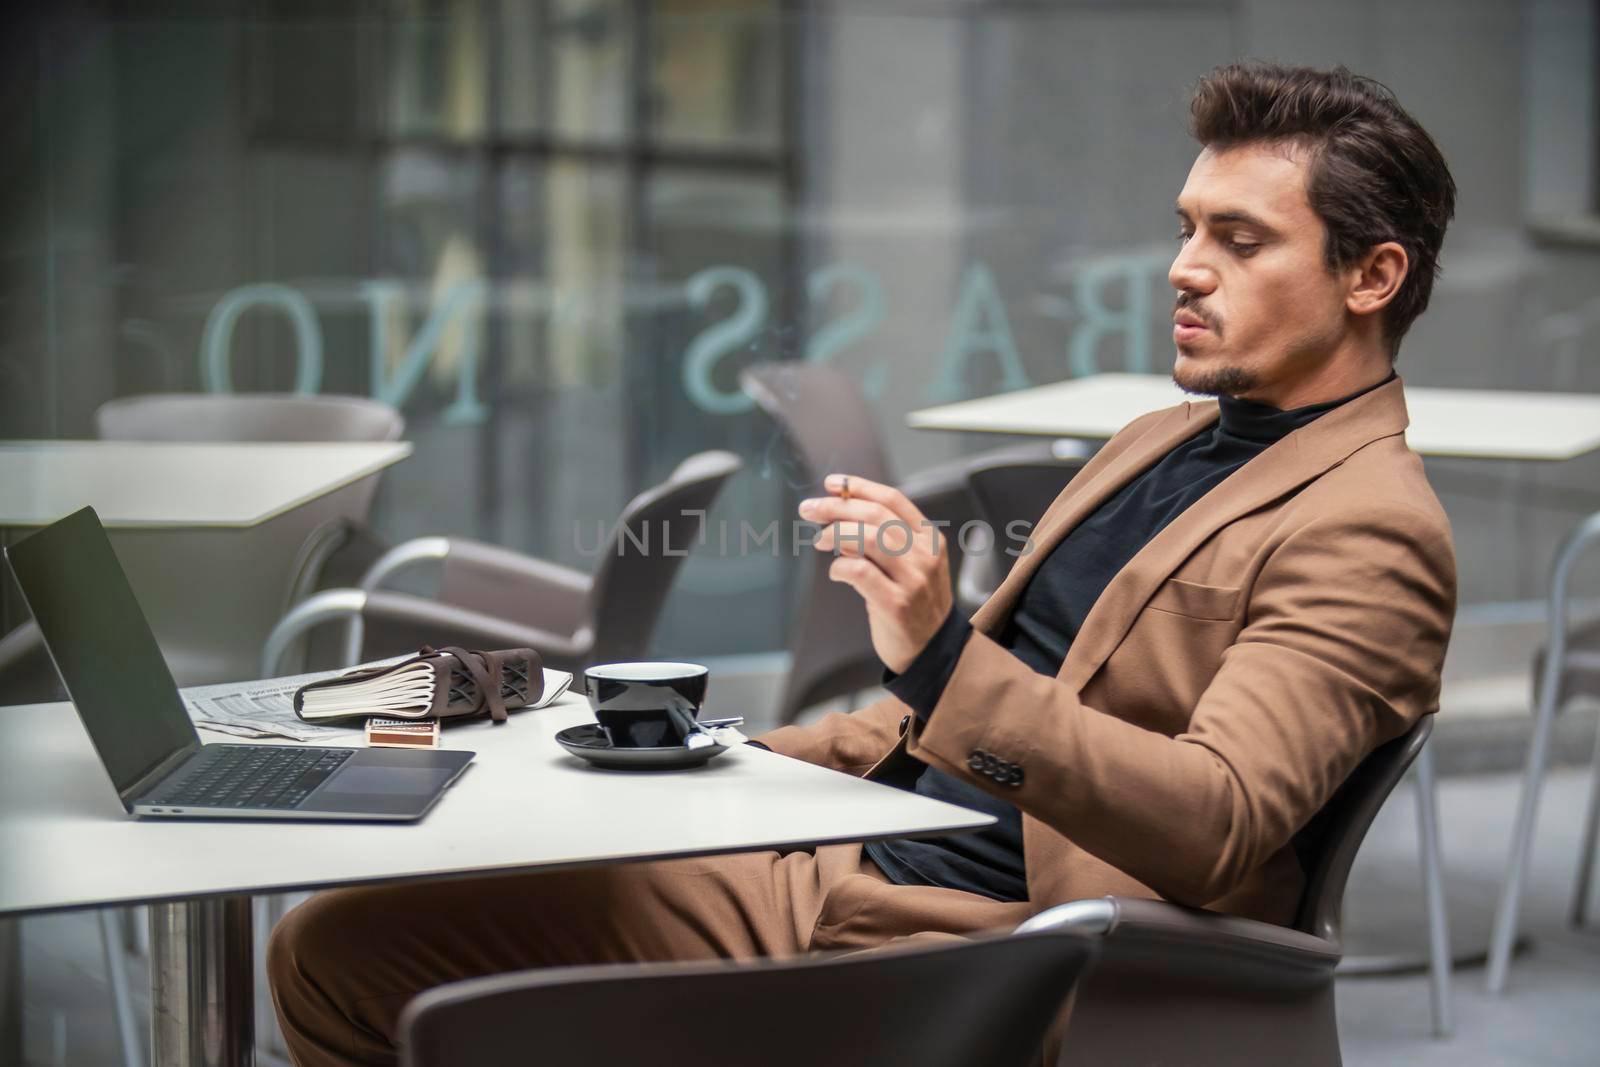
column 1047, row 619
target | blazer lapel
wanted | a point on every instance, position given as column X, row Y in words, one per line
column 1283, row 468
column 1077, row 503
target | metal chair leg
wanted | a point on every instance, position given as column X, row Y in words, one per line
column 135, row 931
column 117, row 979
column 1439, row 959
column 1586, row 848
column 1504, row 935
column 1503, row 939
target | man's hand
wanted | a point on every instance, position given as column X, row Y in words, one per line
column 890, row 554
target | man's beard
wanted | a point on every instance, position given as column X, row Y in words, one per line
column 1216, row 381
column 1210, row 381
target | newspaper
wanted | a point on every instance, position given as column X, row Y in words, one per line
column 265, row 708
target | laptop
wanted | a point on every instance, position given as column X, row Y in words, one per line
column 108, row 659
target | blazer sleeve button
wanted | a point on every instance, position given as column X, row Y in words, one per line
column 975, row 761
column 1014, row 777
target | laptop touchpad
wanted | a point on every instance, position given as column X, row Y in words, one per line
column 388, row 781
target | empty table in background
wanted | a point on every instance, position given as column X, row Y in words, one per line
column 1469, row 423
column 228, row 519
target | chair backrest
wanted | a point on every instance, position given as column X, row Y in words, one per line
column 1011, row 491
column 952, row 1005
column 1328, row 844
column 1017, row 491
column 648, row 545
column 825, row 416
column 1223, row 990
column 247, row 417
column 827, row 420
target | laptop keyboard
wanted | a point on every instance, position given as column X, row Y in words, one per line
column 249, row 776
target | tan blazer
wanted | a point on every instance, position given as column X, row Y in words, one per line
column 1225, row 683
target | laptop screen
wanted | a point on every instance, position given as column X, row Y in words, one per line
column 103, row 647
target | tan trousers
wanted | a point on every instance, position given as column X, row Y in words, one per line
column 343, row 964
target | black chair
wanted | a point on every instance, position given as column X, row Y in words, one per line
column 831, row 426
column 492, row 597
column 1009, row 488
column 956, row 1004
column 1182, row 985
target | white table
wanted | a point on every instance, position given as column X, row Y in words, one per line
column 230, row 518
column 1470, row 423
column 523, row 804
column 144, row 484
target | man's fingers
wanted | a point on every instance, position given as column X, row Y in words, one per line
column 889, row 546
column 864, row 576
column 824, row 510
column 878, row 493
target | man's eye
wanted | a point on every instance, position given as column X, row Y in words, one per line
column 1184, row 235
column 1243, row 248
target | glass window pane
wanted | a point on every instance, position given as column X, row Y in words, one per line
column 716, row 70
column 592, row 41
column 562, row 226
column 427, row 305
column 698, row 218
column 723, row 236
column 561, row 430
column 523, row 73
column 436, row 59
column 306, row 78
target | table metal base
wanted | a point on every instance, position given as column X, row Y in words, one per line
column 201, row 969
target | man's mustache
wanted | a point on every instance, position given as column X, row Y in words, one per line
column 1187, row 303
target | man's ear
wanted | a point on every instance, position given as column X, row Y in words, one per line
column 1378, row 277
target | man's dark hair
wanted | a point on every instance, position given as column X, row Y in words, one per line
column 1375, row 174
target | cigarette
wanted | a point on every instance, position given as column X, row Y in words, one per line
column 844, row 493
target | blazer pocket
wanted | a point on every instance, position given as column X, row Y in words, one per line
column 1196, row 601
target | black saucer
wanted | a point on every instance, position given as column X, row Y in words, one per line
column 590, row 742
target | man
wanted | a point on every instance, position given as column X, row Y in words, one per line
column 1228, row 608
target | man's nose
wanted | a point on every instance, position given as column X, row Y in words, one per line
column 1189, row 273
